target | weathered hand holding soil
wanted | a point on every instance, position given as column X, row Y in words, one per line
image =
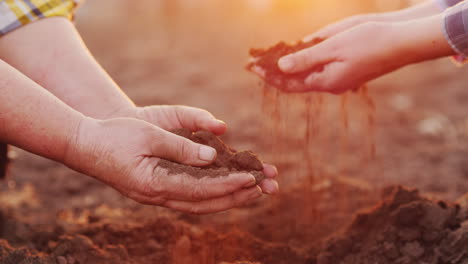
column 227, row 161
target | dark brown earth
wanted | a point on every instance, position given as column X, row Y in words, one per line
column 3, row 160
column 227, row 160
column 151, row 235
column 404, row 228
column 265, row 63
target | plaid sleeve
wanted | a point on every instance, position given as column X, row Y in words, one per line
column 17, row 13
column 444, row 4
column 455, row 28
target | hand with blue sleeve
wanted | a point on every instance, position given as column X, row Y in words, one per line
column 349, row 58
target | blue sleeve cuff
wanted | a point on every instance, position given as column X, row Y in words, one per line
column 444, row 4
column 455, row 29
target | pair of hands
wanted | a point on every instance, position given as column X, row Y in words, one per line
column 362, row 48
column 124, row 153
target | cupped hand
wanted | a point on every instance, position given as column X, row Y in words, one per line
column 170, row 117
column 346, row 61
column 124, row 153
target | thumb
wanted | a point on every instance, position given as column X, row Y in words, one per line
column 196, row 119
column 179, row 149
column 307, row 59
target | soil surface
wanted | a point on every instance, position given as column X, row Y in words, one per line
column 265, row 63
column 404, row 228
column 227, row 160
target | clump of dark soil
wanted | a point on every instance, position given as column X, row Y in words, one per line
column 265, row 63
column 3, row 160
column 405, row 228
column 227, row 161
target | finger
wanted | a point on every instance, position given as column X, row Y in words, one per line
column 187, row 188
column 313, row 36
column 259, row 71
column 323, row 81
column 269, row 186
column 198, row 119
column 338, row 27
column 326, row 32
column 335, row 78
column 307, row 59
column 179, row 149
column 218, row 204
column 322, row 34
column 270, row 171
column 173, row 117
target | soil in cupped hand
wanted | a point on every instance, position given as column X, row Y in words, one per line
column 265, row 64
column 228, row 160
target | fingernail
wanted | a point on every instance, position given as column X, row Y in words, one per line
column 286, row 63
column 271, row 188
column 206, row 153
column 251, row 182
column 257, row 193
column 221, row 123
column 270, row 171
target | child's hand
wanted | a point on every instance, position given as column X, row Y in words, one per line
column 424, row 9
column 124, row 153
column 173, row 117
column 365, row 52
column 348, row 59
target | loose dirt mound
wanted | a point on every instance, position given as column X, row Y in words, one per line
column 159, row 240
column 265, row 64
column 405, row 228
column 227, row 161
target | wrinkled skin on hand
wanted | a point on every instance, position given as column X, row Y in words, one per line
column 170, row 118
column 124, row 153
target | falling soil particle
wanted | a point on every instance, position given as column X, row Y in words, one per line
column 265, row 63
column 3, row 160
column 227, row 161
column 404, row 228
